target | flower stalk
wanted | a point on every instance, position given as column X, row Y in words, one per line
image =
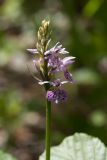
column 48, row 129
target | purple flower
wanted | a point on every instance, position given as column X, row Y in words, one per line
column 58, row 83
column 61, row 95
column 50, row 95
column 56, row 96
column 57, row 49
column 52, row 56
column 54, row 61
column 63, row 64
column 55, row 64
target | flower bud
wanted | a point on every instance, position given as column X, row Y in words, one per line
column 39, row 36
column 41, row 30
column 46, row 25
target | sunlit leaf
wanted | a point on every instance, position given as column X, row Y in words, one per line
column 78, row 147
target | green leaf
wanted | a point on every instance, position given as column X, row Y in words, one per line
column 5, row 156
column 78, row 147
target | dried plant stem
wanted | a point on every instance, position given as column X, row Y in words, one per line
column 48, row 129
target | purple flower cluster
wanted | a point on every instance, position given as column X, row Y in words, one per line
column 55, row 63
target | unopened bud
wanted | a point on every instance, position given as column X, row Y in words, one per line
column 43, row 22
column 41, row 30
column 43, row 41
column 46, row 25
column 39, row 36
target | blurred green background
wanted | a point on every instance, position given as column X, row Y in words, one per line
column 81, row 26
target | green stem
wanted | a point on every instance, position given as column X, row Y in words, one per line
column 48, row 129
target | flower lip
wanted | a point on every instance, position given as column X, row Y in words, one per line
column 56, row 96
column 50, row 96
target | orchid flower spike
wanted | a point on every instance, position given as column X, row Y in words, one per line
column 50, row 62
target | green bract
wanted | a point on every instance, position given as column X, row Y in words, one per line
column 78, row 147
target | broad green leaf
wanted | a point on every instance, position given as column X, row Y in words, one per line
column 78, row 147
column 5, row 156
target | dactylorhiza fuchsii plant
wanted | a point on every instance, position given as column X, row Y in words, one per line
column 49, row 62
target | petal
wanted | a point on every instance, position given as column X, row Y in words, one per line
column 64, row 82
column 43, row 82
column 63, row 51
column 34, row 51
column 67, row 59
column 57, row 45
column 68, row 76
column 61, row 95
column 57, row 96
column 47, row 53
column 50, row 95
column 57, row 49
column 56, row 83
